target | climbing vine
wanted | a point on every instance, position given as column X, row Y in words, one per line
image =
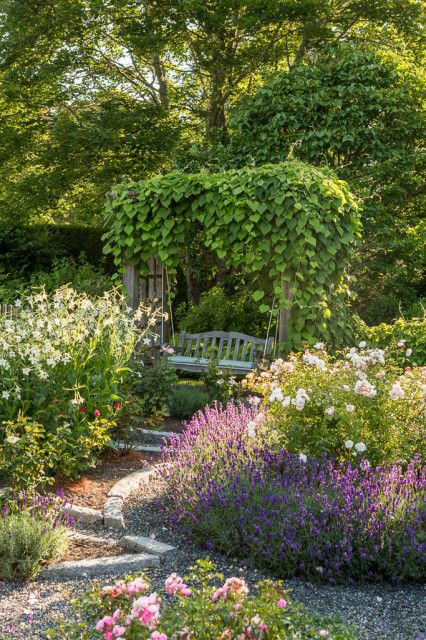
column 288, row 226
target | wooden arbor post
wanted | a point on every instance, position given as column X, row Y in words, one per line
column 285, row 314
column 152, row 290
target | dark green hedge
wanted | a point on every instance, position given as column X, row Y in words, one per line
column 34, row 248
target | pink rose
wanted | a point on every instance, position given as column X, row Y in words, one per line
column 282, row 603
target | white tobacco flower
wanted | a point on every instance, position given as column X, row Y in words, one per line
column 5, row 395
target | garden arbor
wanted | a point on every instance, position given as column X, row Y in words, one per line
column 289, row 227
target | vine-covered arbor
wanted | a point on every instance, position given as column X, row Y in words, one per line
column 290, row 227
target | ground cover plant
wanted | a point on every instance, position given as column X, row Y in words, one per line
column 32, row 533
column 360, row 401
column 323, row 519
column 187, row 399
column 201, row 606
column 64, row 365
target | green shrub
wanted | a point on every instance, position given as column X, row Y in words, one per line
column 32, row 532
column 358, row 402
column 217, row 310
column 399, row 339
column 220, row 383
column 153, row 384
column 186, row 399
column 196, row 607
column 80, row 275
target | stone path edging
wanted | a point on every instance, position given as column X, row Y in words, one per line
column 113, row 508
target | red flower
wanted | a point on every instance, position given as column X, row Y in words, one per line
column 97, row 413
column 117, row 405
column 83, row 410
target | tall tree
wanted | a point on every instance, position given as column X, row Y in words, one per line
column 189, row 58
column 362, row 113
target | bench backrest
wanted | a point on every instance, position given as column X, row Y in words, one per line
column 219, row 345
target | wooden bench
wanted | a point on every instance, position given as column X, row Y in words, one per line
column 235, row 351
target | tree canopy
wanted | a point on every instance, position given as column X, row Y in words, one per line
column 68, row 69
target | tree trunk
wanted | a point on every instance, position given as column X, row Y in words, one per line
column 161, row 79
column 216, row 120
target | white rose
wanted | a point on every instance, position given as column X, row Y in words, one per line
column 360, row 447
column 319, row 345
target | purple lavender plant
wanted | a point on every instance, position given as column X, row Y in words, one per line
column 321, row 519
column 50, row 507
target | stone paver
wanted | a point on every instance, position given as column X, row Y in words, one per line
column 100, row 566
column 150, row 545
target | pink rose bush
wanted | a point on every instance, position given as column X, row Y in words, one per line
column 315, row 403
column 204, row 610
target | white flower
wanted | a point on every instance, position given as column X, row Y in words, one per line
column 277, row 395
column 365, row 388
column 319, row 345
column 308, row 358
column 251, row 433
column 362, row 344
column 5, row 395
column 26, row 371
column 147, row 341
column 349, row 444
column 350, row 408
column 401, row 343
column 12, row 439
column 330, row 410
column 397, row 391
column 286, row 401
column 346, row 387
column 302, row 457
column 360, row 447
column 4, row 364
column 220, row 381
column 408, row 352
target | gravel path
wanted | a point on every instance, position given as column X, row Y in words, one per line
column 381, row 612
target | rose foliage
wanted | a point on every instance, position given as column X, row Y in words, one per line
column 196, row 607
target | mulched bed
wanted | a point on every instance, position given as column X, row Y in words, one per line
column 91, row 490
column 83, row 549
